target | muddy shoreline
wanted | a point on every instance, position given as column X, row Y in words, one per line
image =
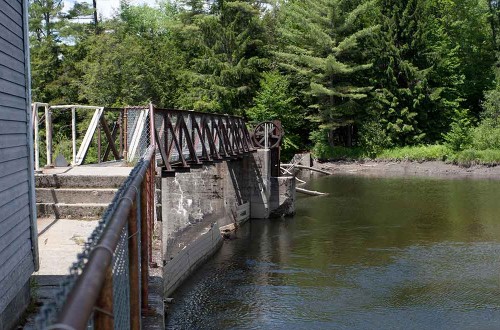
column 435, row 169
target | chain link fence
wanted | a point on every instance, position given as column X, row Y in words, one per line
column 120, row 267
column 138, row 137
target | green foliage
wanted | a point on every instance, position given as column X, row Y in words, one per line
column 416, row 71
column 323, row 150
column 459, row 137
column 472, row 157
column 275, row 102
column 226, row 54
column 387, row 72
column 416, row 153
column 486, row 136
column 320, row 46
column 373, row 138
column 327, row 152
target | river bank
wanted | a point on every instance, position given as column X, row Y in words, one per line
column 410, row 168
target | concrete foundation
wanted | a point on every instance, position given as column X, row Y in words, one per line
column 196, row 204
column 282, row 197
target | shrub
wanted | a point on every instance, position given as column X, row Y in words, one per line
column 471, row 157
column 416, row 153
column 373, row 138
column 486, row 136
column 459, row 137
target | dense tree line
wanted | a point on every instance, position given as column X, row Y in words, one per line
column 368, row 73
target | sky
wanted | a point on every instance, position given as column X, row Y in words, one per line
column 107, row 8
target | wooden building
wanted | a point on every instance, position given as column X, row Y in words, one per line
column 18, row 235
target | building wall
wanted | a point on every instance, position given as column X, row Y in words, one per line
column 18, row 242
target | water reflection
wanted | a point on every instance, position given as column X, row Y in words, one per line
column 374, row 254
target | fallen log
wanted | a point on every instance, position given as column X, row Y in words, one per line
column 287, row 171
column 308, row 168
column 310, row 192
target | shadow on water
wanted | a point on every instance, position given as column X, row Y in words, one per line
column 377, row 253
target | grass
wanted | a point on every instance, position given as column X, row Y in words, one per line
column 416, row 153
column 466, row 158
column 339, row 153
column 470, row 157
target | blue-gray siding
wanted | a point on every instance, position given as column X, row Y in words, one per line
column 16, row 254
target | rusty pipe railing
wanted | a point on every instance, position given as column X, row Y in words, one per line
column 93, row 290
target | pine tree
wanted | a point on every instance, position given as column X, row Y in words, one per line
column 225, row 55
column 320, row 45
column 416, row 72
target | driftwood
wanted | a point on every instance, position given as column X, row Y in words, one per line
column 287, row 171
column 310, row 192
column 308, row 168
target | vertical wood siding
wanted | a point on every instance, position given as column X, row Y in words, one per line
column 16, row 256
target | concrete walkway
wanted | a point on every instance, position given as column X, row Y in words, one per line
column 61, row 240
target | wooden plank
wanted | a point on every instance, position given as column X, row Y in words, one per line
column 12, row 166
column 17, row 5
column 14, row 179
column 21, row 203
column 13, row 140
column 10, row 49
column 16, row 278
column 14, row 15
column 8, row 87
column 16, row 64
column 12, row 101
column 8, row 154
column 15, row 77
column 7, row 113
column 10, row 36
column 11, row 220
column 10, row 24
column 10, row 262
column 12, row 127
column 10, row 243
column 12, row 196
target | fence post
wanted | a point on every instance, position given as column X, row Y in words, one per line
column 133, row 255
column 152, row 209
column 48, row 135
column 125, row 134
column 145, row 237
column 103, row 315
column 73, row 134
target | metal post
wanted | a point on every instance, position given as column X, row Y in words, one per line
column 48, row 133
column 133, row 255
column 125, row 134
column 73, row 133
column 37, row 137
column 152, row 206
column 103, row 315
column 266, row 136
column 145, row 220
column 99, row 143
column 120, row 121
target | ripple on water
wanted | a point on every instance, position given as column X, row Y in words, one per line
column 370, row 257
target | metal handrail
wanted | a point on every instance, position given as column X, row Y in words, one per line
column 82, row 299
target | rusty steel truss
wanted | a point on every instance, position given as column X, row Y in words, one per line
column 188, row 139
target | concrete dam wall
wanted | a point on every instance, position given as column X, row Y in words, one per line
column 197, row 205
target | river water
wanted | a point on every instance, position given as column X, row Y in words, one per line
column 377, row 253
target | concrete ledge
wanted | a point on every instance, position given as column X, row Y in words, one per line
column 71, row 211
column 186, row 261
column 282, row 197
column 78, row 181
column 74, row 196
